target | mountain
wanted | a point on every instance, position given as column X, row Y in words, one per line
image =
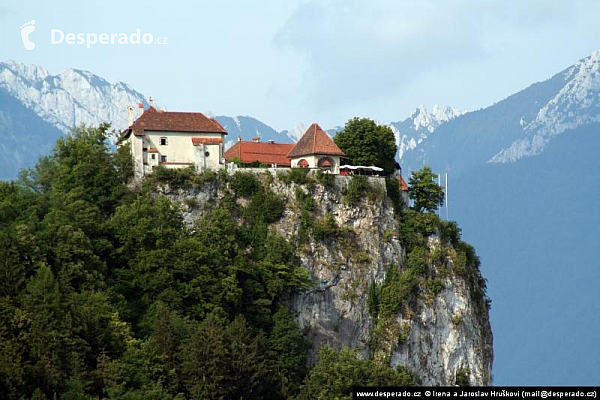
column 24, row 136
column 535, row 226
column 248, row 127
column 36, row 108
column 71, row 98
column 414, row 130
column 520, row 126
column 523, row 181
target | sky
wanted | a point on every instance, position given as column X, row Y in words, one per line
column 289, row 62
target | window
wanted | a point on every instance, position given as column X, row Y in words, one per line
column 163, row 158
column 206, row 154
column 154, row 156
column 163, row 141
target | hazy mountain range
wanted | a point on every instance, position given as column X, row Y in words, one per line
column 57, row 103
column 523, row 183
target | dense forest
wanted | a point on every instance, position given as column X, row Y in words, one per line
column 105, row 293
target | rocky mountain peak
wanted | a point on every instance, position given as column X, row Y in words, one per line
column 70, row 98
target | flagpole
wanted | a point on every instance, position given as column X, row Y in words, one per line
column 446, row 194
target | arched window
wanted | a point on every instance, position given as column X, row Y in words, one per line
column 302, row 163
column 325, row 163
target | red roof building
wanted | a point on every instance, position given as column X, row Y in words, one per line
column 170, row 121
column 174, row 140
column 315, row 141
column 315, row 149
column 403, row 185
column 268, row 153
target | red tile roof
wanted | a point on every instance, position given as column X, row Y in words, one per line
column 198, row 141
column 152, row 150
column 265, row 153
column 315, row 141
column 403, row 185
column 168, row 121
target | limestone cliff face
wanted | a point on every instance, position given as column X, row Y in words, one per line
column 438, row 336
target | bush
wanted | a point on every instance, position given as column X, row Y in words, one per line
column 336, row 373
column 415, row 226
column 373, row 299
column 181, row 178
column 191, row 202
column 304, row 200
column 435, row 285
column 208, row 175
column 393, row 191
column 175, row 177
column 327, row 180
column 296, row 175
column 245, row 184
column 462, row 377
column 358, row 187
column 325, row 228
column 396, row 289
column 450, row 232
column 272, row 206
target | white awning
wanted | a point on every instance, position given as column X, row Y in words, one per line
column 355, row 167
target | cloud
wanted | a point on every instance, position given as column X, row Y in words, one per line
column 360, row 51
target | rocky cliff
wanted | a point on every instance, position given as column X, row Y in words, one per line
column 356, row 254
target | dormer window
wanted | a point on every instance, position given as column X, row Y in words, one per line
column 163, row 141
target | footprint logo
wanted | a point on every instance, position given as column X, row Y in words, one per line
column 26, row 29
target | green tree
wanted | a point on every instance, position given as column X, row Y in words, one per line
column 291, row 349
column 367, row 143
column 205, row 357
column 337, row 372
column 427, row 194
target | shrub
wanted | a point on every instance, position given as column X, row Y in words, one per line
column 208, row 175
column 304, row 200
column 396, row 289
column 325, row 228
column 373, row 299
column 327, row 180
column 357, row 188
column 415, row 226
column 296, row 175
column 245, row 184
column 265, row 206
column 435, row 285
column 456, row 320
column 393, row 191
column 177, row 177
column 416, row 260
column 450, row 232
column 462, row 377
column 191, row 202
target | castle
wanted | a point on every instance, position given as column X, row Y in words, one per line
column 186, row 139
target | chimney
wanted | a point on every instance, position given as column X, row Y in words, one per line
column 130, row 115
column 271, row 141
column 256, row 139
column 140, row 109
column 151, row 100
column 240, row 138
